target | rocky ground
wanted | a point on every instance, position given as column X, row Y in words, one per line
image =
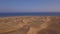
column 30, row 25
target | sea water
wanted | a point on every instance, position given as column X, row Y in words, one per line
column 30, row 14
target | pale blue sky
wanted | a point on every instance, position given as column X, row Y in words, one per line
column 29, row 5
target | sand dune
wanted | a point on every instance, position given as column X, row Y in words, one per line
column 30, row 25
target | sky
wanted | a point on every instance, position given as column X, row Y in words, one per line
column 29, row 6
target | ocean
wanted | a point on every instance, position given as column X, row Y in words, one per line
column 30, row 14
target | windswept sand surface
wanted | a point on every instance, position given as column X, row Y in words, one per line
column 30, row 25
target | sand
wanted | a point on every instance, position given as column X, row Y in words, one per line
column 30, row 25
